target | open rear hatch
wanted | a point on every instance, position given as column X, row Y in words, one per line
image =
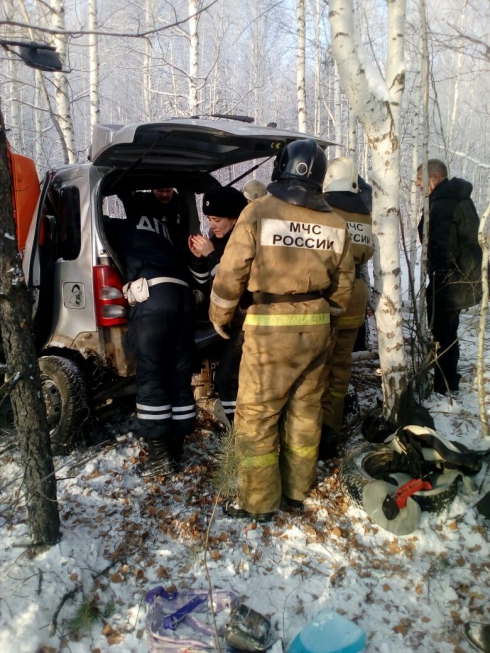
column 202, row 145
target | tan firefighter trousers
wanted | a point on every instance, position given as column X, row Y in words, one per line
column 279, row 408
column 337, row 375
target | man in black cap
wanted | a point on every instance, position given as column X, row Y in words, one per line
column 222, row 206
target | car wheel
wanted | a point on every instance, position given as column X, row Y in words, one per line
column 66, row 399
column 374, row 462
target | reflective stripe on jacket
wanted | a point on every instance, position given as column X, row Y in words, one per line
column 282, row 249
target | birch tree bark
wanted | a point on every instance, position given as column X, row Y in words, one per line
column 43, row 95
column 147, row 58
column 459, row 66
column 193, row 56
column 414, row 206
column 484, row 240
column 337, row 102
column 27, row 402
column 93, row 44
column 352, row 136
column 376, row 102
column 318, row 61
column 300, row 63
column 61, row 82
column 14, row 87
column 422, row 303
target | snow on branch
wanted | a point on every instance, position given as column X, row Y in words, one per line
column 127, row 35
column 485, row 166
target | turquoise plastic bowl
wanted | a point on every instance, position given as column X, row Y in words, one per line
column 329, row 632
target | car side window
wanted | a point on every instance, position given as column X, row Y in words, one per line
column 69, row 236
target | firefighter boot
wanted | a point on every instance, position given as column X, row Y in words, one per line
column 231, row 509
column 159, row 460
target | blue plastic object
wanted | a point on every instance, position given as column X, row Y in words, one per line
column 329, row 632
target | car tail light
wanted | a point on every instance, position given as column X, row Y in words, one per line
column 110, row 305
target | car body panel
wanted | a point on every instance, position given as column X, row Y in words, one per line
column 188, row 144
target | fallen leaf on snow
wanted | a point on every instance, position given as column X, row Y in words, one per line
column 116, row 578
column 162, row 573
column 401, row 629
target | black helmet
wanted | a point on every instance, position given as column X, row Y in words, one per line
column 302, row 160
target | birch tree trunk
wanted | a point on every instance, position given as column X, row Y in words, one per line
column 352, row 139
column 459, row 66
column 422, row 304
column 61, row 83
column 43, row 93
column 484, row 240
column 414, row 206
column 337, row 102
column 193, row 56
column 38, row 130
column 27, row 398
column 300, row 64
column 318, row 62
column 376, row 102
column 14, row 87
column 93, row 45
column 147, row 57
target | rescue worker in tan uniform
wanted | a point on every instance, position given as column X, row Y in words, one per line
column 350, row 197
column 293, row 253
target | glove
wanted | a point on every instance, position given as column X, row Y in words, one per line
column 221, row 331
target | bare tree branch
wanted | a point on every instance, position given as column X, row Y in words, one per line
column 126, row 35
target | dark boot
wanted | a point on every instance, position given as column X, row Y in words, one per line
column 294, row 505
column 159, row 460
column 328, row 444
column 176, row 450
column 230, row 509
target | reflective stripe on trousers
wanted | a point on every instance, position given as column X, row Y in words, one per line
column 280, row 388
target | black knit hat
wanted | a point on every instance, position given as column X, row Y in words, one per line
column 225, row 202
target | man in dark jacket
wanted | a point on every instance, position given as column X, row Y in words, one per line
column 454, row 259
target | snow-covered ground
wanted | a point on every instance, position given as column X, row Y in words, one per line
column 123, row 536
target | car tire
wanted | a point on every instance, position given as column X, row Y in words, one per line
column 372, row 462
column 66, row 399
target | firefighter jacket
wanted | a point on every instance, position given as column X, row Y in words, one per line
column 284, row 249
column 352, row 208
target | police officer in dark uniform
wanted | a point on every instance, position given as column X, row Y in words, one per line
column 223, row 207
column 152, row 247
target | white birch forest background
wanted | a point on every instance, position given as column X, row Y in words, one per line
column 241, row 57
